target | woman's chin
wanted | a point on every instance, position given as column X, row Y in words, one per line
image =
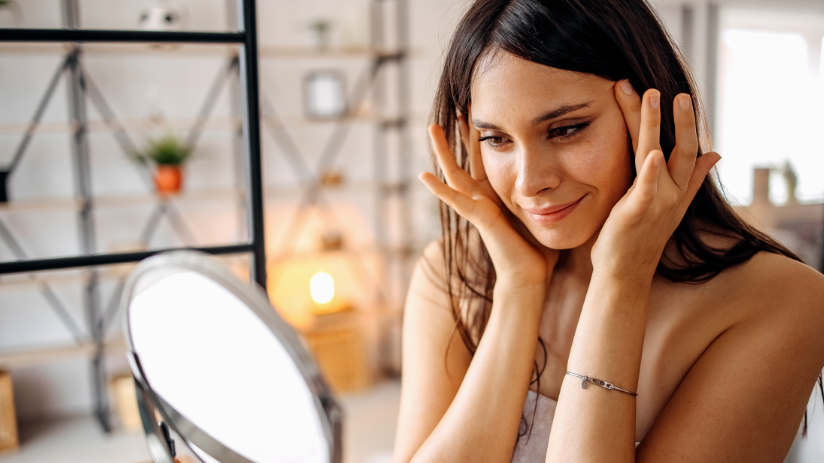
column 561, row 241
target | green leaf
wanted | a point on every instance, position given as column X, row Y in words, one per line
column 166, row 150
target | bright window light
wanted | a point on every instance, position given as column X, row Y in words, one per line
column 770, row 111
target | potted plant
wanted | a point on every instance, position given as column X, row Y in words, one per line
column 319, row 34
column 167, row 153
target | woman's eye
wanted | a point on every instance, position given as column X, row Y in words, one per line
column 492, row 141
column 561, row 133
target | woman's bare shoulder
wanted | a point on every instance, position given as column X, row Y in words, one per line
column 753, row 352
column 773, row 285
column 429, row 277
column 430, row 270
column 769, row 292
column 771, row 301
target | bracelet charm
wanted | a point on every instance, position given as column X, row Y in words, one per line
column 598, row 382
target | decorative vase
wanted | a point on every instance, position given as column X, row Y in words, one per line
column 168, row 179
column 164, row 16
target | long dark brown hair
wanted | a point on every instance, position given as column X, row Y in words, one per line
column 613, row 39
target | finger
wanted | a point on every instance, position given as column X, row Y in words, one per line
column 651, row 174
column 682, row 159
column 703, row 165
column 649, row 134
column 630, row 104
column 646, row 185
column 455, row 176
column 461, row 203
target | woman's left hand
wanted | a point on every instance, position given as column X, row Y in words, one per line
column 637, row 230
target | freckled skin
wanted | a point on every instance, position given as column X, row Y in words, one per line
column 532, row 169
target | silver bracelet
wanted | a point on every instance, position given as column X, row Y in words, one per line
column 598, row 382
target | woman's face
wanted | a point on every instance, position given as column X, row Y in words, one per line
column 554, row 145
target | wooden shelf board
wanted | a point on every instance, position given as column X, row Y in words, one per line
column 360, row 186
column 238, row 194
column 58, row 278
column 121, row 200
column 41, row 356
column 150, row 125
column 275, row 258
column 265, row 51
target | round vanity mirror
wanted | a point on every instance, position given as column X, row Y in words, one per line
column 216, row 367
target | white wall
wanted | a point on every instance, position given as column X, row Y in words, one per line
column 168, row 88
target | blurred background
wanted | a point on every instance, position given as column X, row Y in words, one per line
column 345, row 90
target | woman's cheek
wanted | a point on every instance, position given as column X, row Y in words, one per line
column 501, row 176
column 609, row 165
column 587, row 163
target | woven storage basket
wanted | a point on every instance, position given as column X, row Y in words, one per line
column 122, row 389
column 8, row 421
column 341, row 357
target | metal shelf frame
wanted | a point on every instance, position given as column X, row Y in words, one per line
column 246, row 40
column 391, row 161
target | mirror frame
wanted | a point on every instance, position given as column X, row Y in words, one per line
column 149, row 403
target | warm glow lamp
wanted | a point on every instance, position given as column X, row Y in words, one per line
column 322, row 288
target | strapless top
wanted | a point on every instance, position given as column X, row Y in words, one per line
column 531, row 447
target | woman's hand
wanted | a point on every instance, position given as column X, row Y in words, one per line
column 637, row 230
column 517, row 256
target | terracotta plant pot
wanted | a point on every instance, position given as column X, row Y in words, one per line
column 168, row 179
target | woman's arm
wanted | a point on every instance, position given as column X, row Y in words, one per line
column 479, row 419
column 744, row 397
column 596, row 424
column 435, row 358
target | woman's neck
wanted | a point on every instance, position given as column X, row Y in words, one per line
column 577, row 262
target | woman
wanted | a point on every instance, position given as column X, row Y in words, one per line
column 587, row 257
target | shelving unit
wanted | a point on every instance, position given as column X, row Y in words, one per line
column 390, row 183
column 383, row 82
column 68, row 42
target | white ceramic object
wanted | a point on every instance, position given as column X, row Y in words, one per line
column 164, row 16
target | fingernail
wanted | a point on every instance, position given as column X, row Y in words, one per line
column 685, row 102
column 626, row 87
column 654, row 100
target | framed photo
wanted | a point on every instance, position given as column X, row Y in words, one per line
column 324, row 94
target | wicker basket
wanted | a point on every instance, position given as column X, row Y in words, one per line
column 341, row 357
column 122, row 390
column 8, row 421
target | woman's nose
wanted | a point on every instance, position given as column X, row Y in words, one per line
column 536, row 173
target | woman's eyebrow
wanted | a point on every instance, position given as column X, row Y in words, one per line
column 560, row 111
column 554, row 114
column 479, row 124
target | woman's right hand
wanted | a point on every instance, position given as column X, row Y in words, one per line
column 518, row 258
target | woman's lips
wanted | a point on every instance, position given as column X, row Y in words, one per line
column 553, row 214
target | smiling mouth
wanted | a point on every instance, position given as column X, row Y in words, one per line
column 547, row 215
